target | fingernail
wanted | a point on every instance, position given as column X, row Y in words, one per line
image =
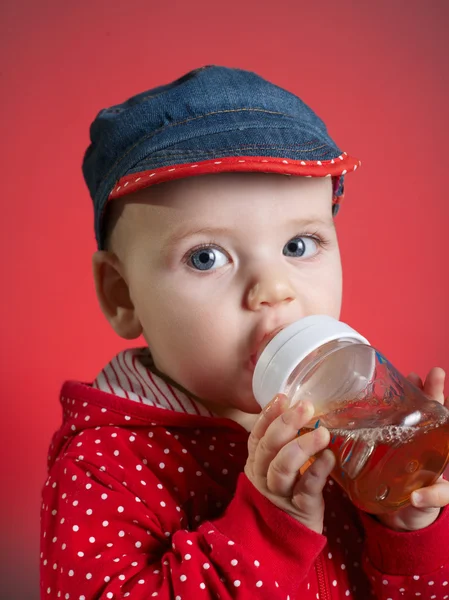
column 271, row 404
column 417, row 499
column 307, row 407
column 278, row 398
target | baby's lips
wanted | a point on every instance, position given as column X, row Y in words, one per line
column 266, row 340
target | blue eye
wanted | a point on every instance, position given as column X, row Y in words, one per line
column 207, row 258
column 301, row 247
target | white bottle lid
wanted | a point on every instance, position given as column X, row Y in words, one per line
column 289, row 347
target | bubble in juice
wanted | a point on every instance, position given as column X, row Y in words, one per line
column 379, row 467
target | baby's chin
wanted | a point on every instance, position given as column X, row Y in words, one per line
column 236, row 400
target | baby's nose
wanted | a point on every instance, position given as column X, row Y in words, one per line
column 270, row 290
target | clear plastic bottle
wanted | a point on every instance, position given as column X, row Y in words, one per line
column 388, row 438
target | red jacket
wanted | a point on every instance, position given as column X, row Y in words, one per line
column 142, row 502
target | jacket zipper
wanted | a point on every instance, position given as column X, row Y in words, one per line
column 323, row 589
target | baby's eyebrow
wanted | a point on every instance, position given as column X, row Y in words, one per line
column 184, row 233
column 187, row 232
column 311, row 222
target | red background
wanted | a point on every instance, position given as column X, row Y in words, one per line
column 377, row 73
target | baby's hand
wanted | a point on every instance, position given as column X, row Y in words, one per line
column 426, row 502
column 276, row 454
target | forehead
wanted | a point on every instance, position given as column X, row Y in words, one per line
column 222, row 191
column 228, row 199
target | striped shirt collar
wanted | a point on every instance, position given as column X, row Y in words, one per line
column 127, row 376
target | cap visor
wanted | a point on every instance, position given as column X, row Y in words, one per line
column 139, row 180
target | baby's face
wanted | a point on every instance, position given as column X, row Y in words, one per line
column 216, row 263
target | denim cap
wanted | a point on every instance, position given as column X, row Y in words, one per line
column 211, row 120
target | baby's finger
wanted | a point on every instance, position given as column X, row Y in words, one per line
column 416, row 380
column 284, row 469
column 434, row 496
column 280, row 432
column 434, row 384
column 266, row 417
column 313, row 481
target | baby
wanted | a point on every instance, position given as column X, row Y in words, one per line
column 165, row 478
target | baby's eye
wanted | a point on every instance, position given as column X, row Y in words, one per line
column 207, row 258
column 301, row 247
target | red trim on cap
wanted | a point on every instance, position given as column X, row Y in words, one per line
column 259, row 164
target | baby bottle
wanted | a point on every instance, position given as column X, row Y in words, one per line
column 387, row 437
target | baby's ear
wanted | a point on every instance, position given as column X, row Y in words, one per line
column 113, row 295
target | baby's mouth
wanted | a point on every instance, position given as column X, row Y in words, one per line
column 253, row 360
column 263, row 344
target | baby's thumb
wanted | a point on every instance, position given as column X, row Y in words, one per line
column 308, row 492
